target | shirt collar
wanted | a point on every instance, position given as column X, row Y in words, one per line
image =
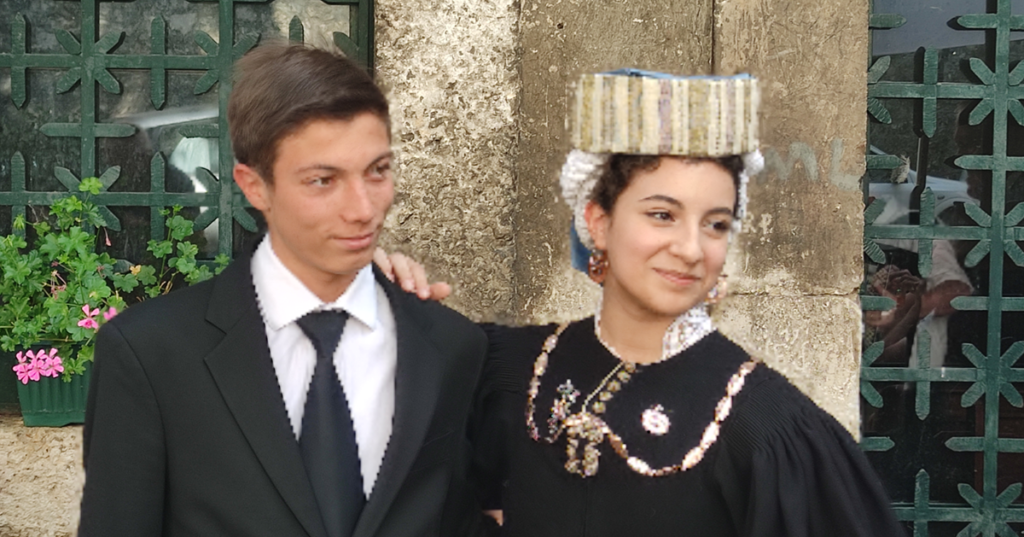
column 284, row 299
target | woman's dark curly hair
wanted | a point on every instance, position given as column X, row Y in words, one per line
column 620, row 169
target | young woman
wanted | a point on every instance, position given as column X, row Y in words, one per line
column 643, row 419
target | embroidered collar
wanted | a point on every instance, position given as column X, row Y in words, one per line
column 684, row 332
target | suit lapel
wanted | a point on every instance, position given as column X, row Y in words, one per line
column 418, row 379
column 244, row 374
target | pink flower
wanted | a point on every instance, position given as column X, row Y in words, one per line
column 49, row 365
column 43, row 366
column 56, row 363
column 88, row 321
column 28, row 371
column 109, row 314
column 33, row 366
column 23, row 368
column 22, row 371
column 36, row 365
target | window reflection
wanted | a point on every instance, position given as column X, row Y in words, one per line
column 935, row 313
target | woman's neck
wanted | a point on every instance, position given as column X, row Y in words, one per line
column 635, row 334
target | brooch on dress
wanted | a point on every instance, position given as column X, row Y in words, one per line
column 560, row 409
column 655, row 421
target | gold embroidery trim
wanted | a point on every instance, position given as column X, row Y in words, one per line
column 594, row 430
column 540, row 365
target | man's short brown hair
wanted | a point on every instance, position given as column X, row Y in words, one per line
column 280, row 88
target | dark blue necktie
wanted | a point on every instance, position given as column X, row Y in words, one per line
column 328, row 439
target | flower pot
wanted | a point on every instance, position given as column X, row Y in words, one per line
column 51, row 402
column 8, row 384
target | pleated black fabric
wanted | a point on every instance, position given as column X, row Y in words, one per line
column 780, row 467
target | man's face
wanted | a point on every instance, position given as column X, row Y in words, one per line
column 332, row 187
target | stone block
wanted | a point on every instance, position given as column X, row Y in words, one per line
column 805, row 218
column 813, row 341
column 451, row 71
column 41, row 479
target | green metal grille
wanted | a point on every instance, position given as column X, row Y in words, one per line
column 92, row 57
column 979, row 456
column 87, row 62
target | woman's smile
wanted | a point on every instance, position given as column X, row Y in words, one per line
column 679, row 279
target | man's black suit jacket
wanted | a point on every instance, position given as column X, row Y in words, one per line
column 186, row 431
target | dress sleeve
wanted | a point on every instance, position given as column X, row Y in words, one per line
column 789, row 468
column 499, row 404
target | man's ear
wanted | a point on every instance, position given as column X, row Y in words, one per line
column 597, row 224
column 254, row 187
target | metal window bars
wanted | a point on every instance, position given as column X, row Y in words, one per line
column 980, row 382
column 87, row 61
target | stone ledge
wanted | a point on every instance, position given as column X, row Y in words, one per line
column 41, row 479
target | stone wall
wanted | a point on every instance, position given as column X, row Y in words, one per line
column 478, row 92
column 799, row 263
column 451, row 71
column 41, row 479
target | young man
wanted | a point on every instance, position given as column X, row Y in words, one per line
column 231, row 408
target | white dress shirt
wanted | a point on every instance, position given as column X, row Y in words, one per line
column 365, row 359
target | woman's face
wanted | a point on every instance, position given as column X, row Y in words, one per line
column 666, row 237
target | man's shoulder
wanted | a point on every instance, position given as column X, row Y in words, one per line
column 441, row 317
column 182, row 317
column 441, row 314
column 445, row 327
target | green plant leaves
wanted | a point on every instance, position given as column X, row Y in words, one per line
column 125, row 282
column 92, row 185
column 44, row 286
column 160, row 248
column 146, row 275
column 179, row 227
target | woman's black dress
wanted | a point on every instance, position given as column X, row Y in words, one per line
column 780, row 465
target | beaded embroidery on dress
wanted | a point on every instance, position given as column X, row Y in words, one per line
column 586, row 429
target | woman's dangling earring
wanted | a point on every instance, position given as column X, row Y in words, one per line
column 718, row 292
column 597, row 266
